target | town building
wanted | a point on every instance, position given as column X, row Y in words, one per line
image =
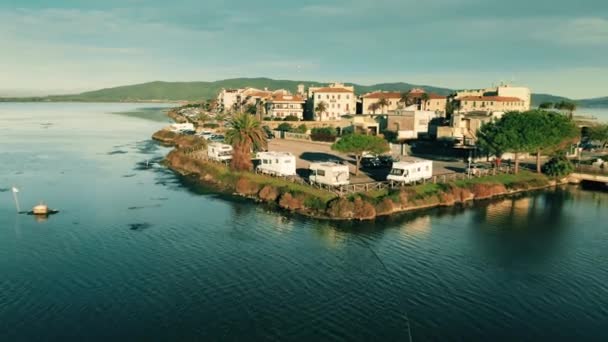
column 464, row 126
column 503, row 98
column 281, row 105
column 238, row 99
column 393, row 102
column 410, row 124
column 338, row 100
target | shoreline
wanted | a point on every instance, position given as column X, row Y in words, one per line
column 319, row 204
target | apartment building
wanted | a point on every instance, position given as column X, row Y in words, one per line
column 338, row 100
column 237, row 99
column 393, row 102
column 502, row 98
column 281, row 106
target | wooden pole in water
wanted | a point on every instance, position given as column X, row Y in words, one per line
column 15, row 191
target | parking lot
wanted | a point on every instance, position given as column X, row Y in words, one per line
column 307, row 152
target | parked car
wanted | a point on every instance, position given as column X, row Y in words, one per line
column 217, row 138
column 387, row 161
column 206, row 134
column 371, row 162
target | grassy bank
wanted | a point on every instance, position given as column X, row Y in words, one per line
column 309, row 201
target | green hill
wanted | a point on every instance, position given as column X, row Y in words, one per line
column 196, row 91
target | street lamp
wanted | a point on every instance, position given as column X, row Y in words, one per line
column 469, row 168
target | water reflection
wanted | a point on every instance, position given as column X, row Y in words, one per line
column 418, row 227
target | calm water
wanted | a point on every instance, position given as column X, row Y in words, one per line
column 135, row 255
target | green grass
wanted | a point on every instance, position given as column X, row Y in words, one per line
column 507, row 180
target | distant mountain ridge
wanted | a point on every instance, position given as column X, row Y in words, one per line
column 196, row 91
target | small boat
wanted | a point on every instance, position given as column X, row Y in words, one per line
column 42, row 210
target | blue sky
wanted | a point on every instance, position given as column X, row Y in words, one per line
column 558, row 46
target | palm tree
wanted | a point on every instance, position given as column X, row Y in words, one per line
column 246, row 135
column 373, row 107
column 321, row 108
column 382, row 102
column 424, row 98
column 568, row 106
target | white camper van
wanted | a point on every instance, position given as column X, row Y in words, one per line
column 411, row 170
column 182, row 127
column 219, row 152
column 328, row 173
column 277, row 163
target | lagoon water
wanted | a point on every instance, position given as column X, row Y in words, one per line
column 138, row 254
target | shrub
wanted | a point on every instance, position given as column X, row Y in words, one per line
column 268, row 193
column 363, row 210
column 211, row 125
column 385, row 207
column 289, row 202
column 291, row 118
column 557, row 167
column 341, row 208
column 315, row 203
column 285, row 127
column 327, row 134
column 246, row 187
column 300, row 129
column 267, row 118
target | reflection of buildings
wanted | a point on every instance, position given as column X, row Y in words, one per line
column 330, row 235
column 420, row 226
column 509, row 209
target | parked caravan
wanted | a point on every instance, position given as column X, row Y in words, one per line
column 219, row 152
column 182, row 127
column 277, row 163
column 329, row 173
column 411, row 170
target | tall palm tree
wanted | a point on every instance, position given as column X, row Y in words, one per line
column 567, row 106
column 321, row 108
column 382, row 102
column 246, row 135
column 424, row 98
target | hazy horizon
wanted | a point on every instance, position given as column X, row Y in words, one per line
column 71, row 46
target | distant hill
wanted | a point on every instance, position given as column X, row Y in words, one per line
column 196, row 91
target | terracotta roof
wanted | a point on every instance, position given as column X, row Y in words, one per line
column 491, row 98
column 286, row 98
column 332, row 90
column 436, row 97
column 258, row 93
column 381, row 94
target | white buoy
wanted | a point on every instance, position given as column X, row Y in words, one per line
column 40, row 209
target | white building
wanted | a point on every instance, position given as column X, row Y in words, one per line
column 338, row 99
column 503, row 98
column 281, row 106
column 277, row 163
column 410, row 124
column 237, row 99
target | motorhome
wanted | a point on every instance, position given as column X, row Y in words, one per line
column 277, row 163
column 329, row 173
column 219, row 152
column 411, row 170
column 181, row 127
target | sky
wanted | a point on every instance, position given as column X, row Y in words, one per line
column 64, row 46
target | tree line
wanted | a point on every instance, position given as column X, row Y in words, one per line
column 535, row 131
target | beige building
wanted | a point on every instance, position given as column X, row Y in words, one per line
column 434, row 103
column 410, row 124
column 237, row 99
column 281, row 106
column 464, row 126
column 497, row 99
column 338, row 99
column 393, row 100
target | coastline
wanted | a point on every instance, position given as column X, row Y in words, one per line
column 314, row 203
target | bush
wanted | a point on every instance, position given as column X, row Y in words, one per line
column 290, row 202
column 285, row 127
column 557, row 167
column 211, row 125
column 291, row 118
column 246, row 187
column 363, row 210
column 267, row 118
column 268, row 193
column 386, row 207
column 341, row 208
column 300, row 129
column 327, row 134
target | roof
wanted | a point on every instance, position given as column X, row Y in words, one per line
column 383, row 94
column 491, row 98
column 332, row 90
column 436, row 97
column 274, row 154
column 286, row 98
column 328, row 164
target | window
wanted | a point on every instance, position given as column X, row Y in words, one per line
column 333, row 97
column 319, row 97
column 427, row 167
column 338, row 105
column 327, row 96
column 264, row 161
column 347, row 97
column 277, row 161
column 338, row 96
column 320, row 173
column 397, row 172
column 287, row 161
